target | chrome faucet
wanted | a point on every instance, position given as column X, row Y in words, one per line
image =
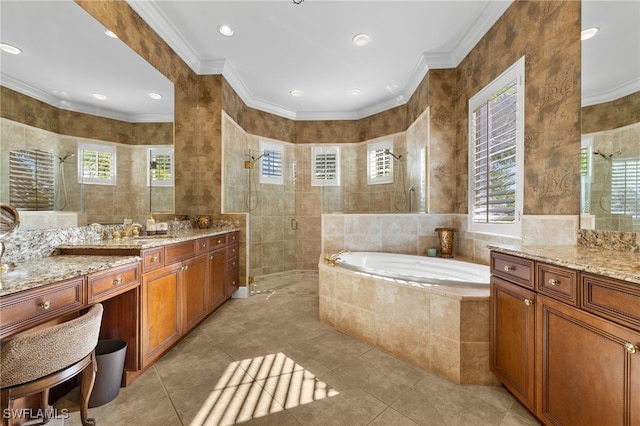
column 135, row 228
column 331, row 259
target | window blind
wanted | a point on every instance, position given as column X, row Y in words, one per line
column 494, row 165
column 272, row 164
column 161, row 169
column 325, row 167
column 32, row 179
column 98, row 166
column 625, row 177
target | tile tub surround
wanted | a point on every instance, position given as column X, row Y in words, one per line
column 444, row 330
column 414, row 233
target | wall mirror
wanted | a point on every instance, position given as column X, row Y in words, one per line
column 66, row 58
column 610, row 147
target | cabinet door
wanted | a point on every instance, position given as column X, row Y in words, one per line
column 512, row 337
column 216, row 282
column 588, row 368
column 161, row 316
column 194, row 279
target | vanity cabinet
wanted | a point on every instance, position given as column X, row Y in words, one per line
column 216, row 292
column 566, row 343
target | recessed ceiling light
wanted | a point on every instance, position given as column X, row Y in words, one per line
column 154, row 95
column 225, row 30
column 355, row 91
column 111, row 34
column 99, row 96
column 361, row 39
column 588, row 33
column 295, row 92
column 10, row 49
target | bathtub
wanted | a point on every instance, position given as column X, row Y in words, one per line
column 428, row 271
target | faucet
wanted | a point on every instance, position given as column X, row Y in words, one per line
column 135, row 228
column 333, row 258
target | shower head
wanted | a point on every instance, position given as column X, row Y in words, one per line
column 264, row 154
column 64, row 157
column 397, row 157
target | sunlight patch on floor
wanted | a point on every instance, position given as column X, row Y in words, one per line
column 257, row 387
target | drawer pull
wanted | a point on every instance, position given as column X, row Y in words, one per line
column 153, row 259
column 631, row 348
column 219, row 242
column 45, row 305
column 203, row 245
column 553, row 282
column 508, row 268
column 528, row 302
column 117, row 281
column 233, row 263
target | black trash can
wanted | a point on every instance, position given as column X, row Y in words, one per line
column 110, row 356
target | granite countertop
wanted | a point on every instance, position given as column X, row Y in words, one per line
column 144, row 242
column 615, row 264
column 51, row 269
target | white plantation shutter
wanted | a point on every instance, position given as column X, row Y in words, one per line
column 98, row 164
column 379, row 161
column 495, row 154
column 325, row 166
column 271, row 164
column 625, row 178
column 32, row 179
column 161, row 167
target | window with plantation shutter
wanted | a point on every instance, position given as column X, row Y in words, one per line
column 325, row 166
column 32, row 179
column 496, row 131
column 160, row 166
column 625, row 178
column 98, row 164
column 271, row 171
column 379, row 162
column 586, row 175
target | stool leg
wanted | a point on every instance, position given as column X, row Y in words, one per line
column 88, row 379
column 44, row 406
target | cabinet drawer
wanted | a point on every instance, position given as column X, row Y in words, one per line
column 512, row 268
column 27, row 309
column 114, row 281
column 612, row 299
column 217, row 241
column 558, row 283
column 152, row 259
column 202, row 245
column 180, row 251
column 233, row 237
column 232, row 251
column 232, row 266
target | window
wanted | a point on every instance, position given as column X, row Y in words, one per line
column 379, row 162
column 160, row 167
column 496, row 134
column 325, row 166
column 271, row 171
column 625, row 178
column 97, row 164
column 31, row 179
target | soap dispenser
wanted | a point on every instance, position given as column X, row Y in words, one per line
column 151, row 225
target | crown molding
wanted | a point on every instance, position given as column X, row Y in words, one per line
column 64, row 104
column 611, row 95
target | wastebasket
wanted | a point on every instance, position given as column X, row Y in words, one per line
column 110, row 356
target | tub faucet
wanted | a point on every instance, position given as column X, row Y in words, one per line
column 135, row 228
column 331, row 259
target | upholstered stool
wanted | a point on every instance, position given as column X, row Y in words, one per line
column 36, row 362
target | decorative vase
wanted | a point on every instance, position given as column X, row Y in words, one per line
column 445, row 240
column 204, row 221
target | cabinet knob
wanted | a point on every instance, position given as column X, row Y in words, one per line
column 528, row 302
column 508, row 268
column 219, row 242
column 117, row 281
column 553, row 281
column 45, row 305
column 154, row 259
column 631, row 348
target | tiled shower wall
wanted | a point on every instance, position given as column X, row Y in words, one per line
column 415, row 233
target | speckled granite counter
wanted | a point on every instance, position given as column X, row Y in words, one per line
column 615, row 264
column 48, row 270
column 143, row 242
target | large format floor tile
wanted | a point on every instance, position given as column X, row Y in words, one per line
column 267, row 360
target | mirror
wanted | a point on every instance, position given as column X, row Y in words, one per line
column 49, row 114
column 610, row 151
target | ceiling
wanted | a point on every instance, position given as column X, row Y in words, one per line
column 279, row 46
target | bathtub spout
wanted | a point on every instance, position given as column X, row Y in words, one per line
column 331, row 259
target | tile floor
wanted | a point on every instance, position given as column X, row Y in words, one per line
column 267, row 360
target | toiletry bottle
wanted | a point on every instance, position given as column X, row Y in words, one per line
column 127, row 220
column 151, row 226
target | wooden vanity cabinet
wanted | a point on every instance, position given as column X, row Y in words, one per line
column 216, row 281
column 586, row 354
column 194, row 285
